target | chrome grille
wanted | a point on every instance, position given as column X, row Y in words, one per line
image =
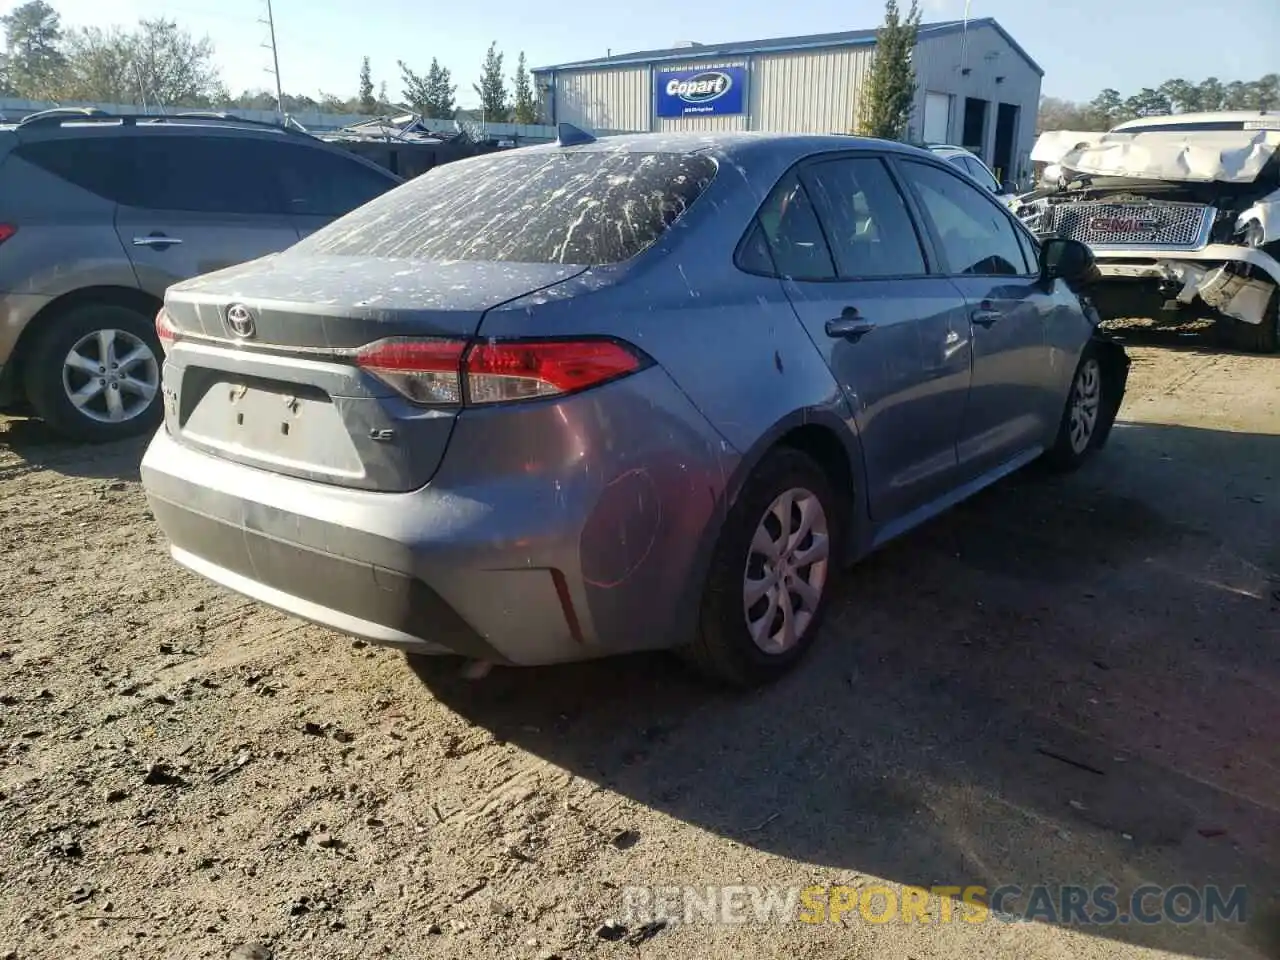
column 1183, row 226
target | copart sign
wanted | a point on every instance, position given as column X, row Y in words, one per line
column 714, row 91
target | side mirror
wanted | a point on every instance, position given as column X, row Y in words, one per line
column 1008, row 186
column 1069, row 260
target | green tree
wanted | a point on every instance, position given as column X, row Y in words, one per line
column 417, row 90
column 442, row 105
column 368, row 104
column 1148, row 103
column 1182, row 95
column 1212, row 96
column 1058, row 114
column 1236, row 96
column 1107, row 109
column 33, row 58
column 884, row 106
column 525, row 106
column 492, row 88
column 1266, row 91
column 156, row 64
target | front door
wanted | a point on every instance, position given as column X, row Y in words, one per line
column 1014, row 378
column 198, row 204
column 895, row 338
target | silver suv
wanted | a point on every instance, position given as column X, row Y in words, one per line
column 99, row 214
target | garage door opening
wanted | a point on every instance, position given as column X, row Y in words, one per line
column 975, row 126
column 1006, row 131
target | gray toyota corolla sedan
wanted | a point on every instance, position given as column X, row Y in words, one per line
column 607, row 395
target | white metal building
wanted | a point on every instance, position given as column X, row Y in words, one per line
column 976, row 88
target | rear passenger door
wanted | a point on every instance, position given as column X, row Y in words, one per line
column 195, row 204
column 321, row 185
column 1012, row 397
column 896, row 338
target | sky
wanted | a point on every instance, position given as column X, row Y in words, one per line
column 1083, row 45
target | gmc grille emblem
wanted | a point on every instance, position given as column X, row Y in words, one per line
column 1124, row 225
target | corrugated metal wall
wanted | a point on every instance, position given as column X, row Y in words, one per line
column 816, row 91
column 810, row 92
column 987, row 55
column 616, row 99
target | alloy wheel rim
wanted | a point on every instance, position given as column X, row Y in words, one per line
column 110, row 376
column 1086, row 397
column 786, row 570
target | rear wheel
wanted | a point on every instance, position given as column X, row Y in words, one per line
column 94, row 373
column 770, row 578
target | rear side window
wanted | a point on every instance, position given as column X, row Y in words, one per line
column 581, row 208
column 97, row 164
column 793, row 234
column 204, row 175
column 866, row 219
column 323, row 183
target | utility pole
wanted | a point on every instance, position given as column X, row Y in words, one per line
column 275, row 59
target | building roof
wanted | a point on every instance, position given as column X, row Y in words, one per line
column 849, row 38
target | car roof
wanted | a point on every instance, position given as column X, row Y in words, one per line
column 1215, row 116
column 727, row 145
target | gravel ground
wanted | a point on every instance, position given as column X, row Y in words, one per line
column 1062, row 681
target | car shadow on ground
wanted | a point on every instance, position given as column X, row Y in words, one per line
column 1063, row 681
column 39, row 448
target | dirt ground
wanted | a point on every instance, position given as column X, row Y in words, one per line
column 1063, row 681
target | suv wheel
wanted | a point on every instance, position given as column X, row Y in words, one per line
column 94, row 373
column 1261, row 337
column 771, row 574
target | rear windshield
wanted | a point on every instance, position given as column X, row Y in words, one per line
column 579, row 208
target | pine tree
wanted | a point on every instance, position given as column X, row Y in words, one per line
column 884, row 105
column 367, row 102
column 525, row 106
column 492, row 88
column 417, row 89
column 440, row 92
column 33, row 59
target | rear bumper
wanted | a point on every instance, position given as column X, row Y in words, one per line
column 589, row 549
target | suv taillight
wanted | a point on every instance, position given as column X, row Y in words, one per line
column 453, row 372
column 7, row 230
column 166, row 330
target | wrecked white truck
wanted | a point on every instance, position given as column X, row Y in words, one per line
column 1180, row 221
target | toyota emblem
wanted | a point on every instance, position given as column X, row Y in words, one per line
column 240, row 321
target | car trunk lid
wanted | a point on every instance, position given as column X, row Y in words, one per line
column 263, row 369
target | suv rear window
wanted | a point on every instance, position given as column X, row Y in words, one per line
column 97, row 164
column 579, row 208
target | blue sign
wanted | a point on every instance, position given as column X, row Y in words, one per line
column 701, row 92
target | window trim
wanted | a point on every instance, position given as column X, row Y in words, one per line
column 928, row 245
column 930, row 227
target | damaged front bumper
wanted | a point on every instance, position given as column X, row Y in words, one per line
column 1238, row 282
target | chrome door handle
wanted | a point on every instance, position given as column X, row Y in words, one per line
column 985, row 318
column 850, row 325
column 155, row 240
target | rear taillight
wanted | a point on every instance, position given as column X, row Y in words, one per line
column 166, row 330
column 452, row 372
column 7, row 230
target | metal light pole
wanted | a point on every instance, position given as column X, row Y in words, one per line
column 275, row 59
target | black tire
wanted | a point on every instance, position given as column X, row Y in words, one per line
column 1261, row 337
column 1069, row 450
column 724, row 649
column 43, row 375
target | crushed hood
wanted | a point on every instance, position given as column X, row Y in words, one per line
column 1052, row 145
column 1226, row 156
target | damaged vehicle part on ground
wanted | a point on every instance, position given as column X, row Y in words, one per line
column 600, row 396
column 1179, row 221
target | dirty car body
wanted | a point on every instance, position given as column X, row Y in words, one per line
column 509, row 410
column 1178, row 219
